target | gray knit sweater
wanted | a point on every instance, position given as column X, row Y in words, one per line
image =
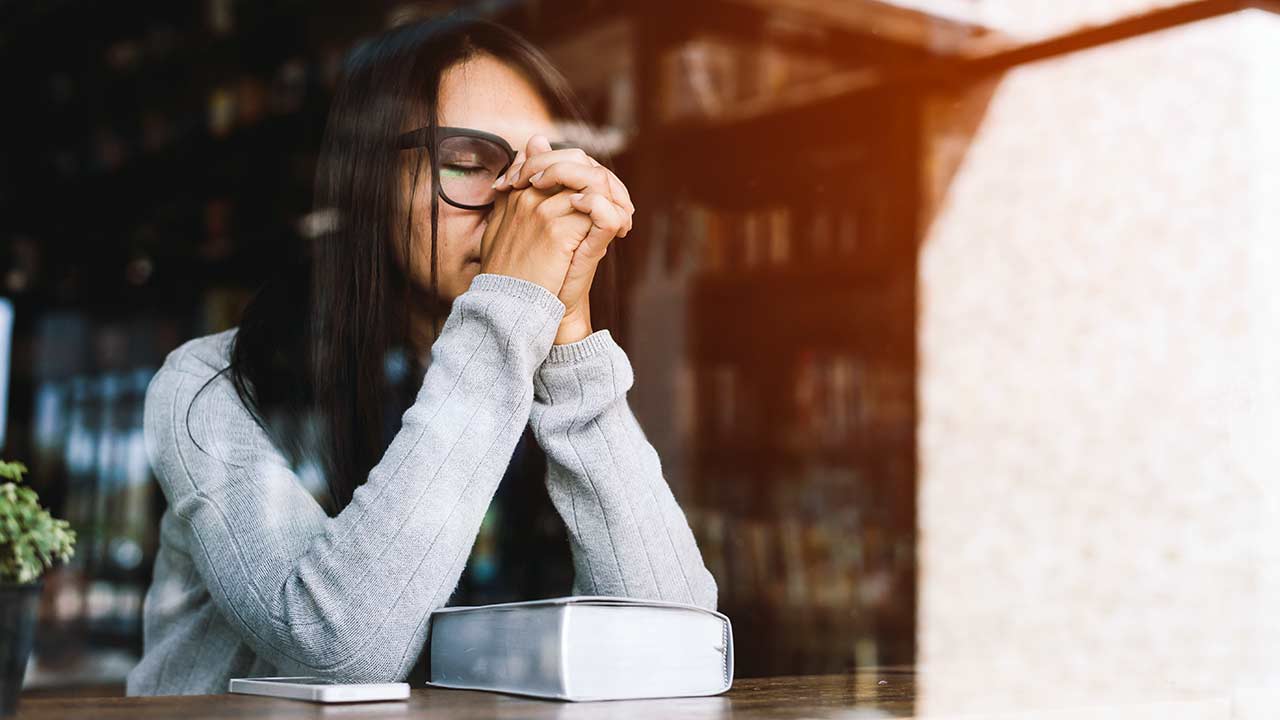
column 253, row 578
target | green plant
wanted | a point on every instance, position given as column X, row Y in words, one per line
column 30, row 538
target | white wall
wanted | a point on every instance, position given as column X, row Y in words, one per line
column 1100, row 406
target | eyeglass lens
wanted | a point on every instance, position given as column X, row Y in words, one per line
column 468, row 167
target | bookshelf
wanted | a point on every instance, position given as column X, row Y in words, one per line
column 166, row 167
column 781, row 179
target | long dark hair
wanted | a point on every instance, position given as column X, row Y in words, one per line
column 310, row 356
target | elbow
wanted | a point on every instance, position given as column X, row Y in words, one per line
column 341, row 661
column 360, row 673
column 705, row 593
column 336, row 640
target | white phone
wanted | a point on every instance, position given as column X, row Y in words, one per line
column 319, row 690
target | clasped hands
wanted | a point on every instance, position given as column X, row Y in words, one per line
column 554, row 216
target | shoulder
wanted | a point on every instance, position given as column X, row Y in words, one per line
column 190, row 372
column 200, row 438
column 192, row 399
column 204, row 356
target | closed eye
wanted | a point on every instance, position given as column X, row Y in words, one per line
column 455, row 169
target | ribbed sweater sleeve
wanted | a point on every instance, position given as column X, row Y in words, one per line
column 348, row 597
column 627, row 534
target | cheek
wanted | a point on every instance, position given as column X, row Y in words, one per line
column 455, row 231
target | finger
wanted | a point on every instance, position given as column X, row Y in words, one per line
column 544, row 160
column 513, row 178
column 504, row 180
column 598, row 238
column 572, row 175
column 537, row 145
column 616, row 190
column 604, row 212
column 621, row 195
column 606, row 222
column 583, row 178
column 531, row 202
column 558, row 204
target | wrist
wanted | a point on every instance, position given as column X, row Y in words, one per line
column 573, row 327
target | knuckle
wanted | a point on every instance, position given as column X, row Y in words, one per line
column 526, row 201
column 543, row 211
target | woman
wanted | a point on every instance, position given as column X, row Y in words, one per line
column 479, row 291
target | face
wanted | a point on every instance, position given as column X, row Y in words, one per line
column 482, row 93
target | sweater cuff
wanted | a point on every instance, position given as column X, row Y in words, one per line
column 596, row 343
column 534, row 293
column 588, row 376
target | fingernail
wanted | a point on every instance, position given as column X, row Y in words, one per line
column 534, row 179
column 497, row 182
column 515, row 172
column 575, row 197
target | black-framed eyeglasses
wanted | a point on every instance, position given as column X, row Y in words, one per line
column 469, row 161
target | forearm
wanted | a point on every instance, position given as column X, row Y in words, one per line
column 348, row 597
column 411, row 525
column 628, row 534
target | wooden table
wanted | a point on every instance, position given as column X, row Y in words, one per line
column 886, row 690
column 897, row 692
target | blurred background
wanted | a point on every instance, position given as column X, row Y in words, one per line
column 790, row 160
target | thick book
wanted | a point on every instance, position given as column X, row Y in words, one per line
column 583, row 648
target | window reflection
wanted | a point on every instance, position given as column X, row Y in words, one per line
column 825, row 190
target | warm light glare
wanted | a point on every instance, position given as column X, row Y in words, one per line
column 1036, row 19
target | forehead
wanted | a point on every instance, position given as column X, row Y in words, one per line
column 485, row 93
